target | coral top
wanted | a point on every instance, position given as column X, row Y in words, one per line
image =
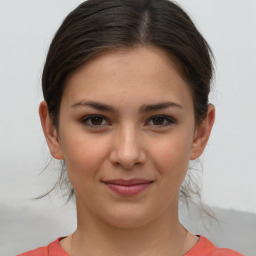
column 202, row 248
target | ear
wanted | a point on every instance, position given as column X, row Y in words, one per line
column 50, row 132
column 202, row 133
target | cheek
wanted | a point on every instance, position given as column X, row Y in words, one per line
column 171, row 158
column 83, row 158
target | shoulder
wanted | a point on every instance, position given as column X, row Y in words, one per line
column 53, row 249
column 204, row 247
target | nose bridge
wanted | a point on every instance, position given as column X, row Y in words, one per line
column 128, row 149
column 127, row 140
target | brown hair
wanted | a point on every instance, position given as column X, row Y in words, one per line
column 99, row 25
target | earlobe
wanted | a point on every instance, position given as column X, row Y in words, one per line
column 202, row 133
column 50, row 132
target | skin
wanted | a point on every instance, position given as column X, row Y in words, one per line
column 127, row 143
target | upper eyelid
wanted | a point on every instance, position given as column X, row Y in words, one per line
column 163, row 116
column 85, row 118
column 169, row 118
column 91, row 116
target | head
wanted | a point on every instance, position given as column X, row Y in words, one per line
column 92, row 54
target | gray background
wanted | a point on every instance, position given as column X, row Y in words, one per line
column 229, row 167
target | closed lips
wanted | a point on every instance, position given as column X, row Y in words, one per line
column 130, row 182
column 130, row 187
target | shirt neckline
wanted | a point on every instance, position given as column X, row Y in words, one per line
column 55, row 247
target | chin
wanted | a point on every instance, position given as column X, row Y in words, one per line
column 128, row 217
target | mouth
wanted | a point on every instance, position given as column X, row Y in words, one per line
column 129, row 187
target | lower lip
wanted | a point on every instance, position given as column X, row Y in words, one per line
column 128, row 190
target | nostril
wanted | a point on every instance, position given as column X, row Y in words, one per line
column 127, row 161
column 127, row 150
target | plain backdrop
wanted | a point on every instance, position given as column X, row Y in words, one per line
column 229, row 166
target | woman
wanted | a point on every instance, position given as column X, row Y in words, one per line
column 126, row 86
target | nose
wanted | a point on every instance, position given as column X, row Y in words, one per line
column 127, row 151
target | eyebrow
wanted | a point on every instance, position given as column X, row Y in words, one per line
column 143, row 108
column 163, row 105
column 95, row 105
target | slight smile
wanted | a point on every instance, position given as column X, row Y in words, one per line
column 129, row 187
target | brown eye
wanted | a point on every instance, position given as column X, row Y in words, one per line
column 161, row 121
column 158, row 120
column 95, row 121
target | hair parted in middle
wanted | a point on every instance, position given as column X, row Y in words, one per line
column 97, row 26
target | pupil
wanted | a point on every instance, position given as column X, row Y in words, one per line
column 96, row 120
column 158, row 120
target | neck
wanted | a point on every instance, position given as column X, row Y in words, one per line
column 162, row 236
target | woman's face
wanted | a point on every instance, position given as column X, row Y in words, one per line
column 127, row 132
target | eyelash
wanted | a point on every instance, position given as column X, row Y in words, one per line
column 87, row 118
column 167, row 119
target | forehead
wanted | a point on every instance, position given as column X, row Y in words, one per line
column 130, row 73
column 146, row 58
